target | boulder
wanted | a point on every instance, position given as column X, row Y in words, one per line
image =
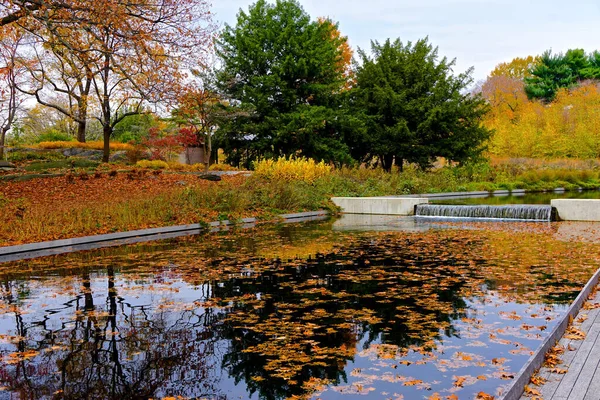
column 6, row 166
column 70, row 152
column 118, row 156
column 210, row 177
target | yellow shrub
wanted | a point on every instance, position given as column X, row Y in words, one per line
column 177, row 166
column 222, row 167
column 154, row 164
column 291, row 169
column 567, row 127
column 115, row 146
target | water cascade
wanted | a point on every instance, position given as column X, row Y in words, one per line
column 521, row 212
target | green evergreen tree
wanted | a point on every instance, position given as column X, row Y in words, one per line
column 556, row 71
column 282, row 69
column 414, row 108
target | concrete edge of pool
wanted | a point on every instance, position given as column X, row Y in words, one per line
column 516, row 388
column 53, row 247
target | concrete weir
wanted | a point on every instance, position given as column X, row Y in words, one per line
column 379, row 205
column 577, row 209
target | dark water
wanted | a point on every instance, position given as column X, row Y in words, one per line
column 528, row 198
column 292, row 312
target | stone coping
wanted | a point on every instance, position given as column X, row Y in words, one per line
column 34, row 250
column 483, row 193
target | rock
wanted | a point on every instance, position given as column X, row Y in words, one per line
column 210, row 177
column 118, row 156
column 74, row 151
column 91, row 154
column 182, row 183
column 6, row 166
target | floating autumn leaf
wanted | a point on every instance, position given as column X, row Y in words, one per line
column 412, row 382
column 324, row 314
column 507, row 376
column 459, row 381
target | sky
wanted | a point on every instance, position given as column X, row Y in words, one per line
column 478, row 33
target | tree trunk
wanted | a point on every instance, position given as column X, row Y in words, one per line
column 399, row 161
column 107, row 133
column 387, row 160
column 81, row 131
column 207, row 152
column 2, row 139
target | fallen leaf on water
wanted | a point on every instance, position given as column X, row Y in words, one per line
column 459, row 381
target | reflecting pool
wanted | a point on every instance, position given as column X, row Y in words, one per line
column 521, row 198
column 297, row 311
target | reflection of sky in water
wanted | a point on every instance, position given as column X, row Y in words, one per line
column 158, row 313
column 367, row 370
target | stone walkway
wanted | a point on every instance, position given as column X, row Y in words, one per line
column 581, row 359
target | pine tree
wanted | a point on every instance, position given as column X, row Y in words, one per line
column 414, row 108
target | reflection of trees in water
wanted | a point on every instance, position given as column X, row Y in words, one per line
column 373, row 292
column 285, row 325
column 113, row 351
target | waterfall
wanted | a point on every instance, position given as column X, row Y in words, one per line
column 523, row 212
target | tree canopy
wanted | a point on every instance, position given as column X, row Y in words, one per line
column 285, row 69
column 108, row 59
column 415, row 108
column 556, row 71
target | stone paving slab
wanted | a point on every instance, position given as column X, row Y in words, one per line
column 581, row 359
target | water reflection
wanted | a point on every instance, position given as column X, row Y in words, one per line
column 378, row 314
column 96, row 344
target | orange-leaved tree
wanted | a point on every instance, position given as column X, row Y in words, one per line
column 344, row 63
column 518, row 68
column 11, row 73
column 134, row 52
column 567, row 127
column 200, row 108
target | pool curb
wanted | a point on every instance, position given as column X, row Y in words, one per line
column 517, row 387
column 53, row 247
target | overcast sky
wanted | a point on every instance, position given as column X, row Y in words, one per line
column 478, row 33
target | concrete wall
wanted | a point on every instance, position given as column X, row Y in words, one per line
column 577, row 209
column 379, row 205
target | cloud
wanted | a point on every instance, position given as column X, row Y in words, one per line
column 479, row 33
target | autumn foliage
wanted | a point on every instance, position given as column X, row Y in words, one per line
column 566, row 126
column 116, row 146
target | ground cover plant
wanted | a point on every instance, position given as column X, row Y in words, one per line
column 291, row 312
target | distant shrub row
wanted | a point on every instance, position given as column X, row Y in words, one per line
column 88, row 145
